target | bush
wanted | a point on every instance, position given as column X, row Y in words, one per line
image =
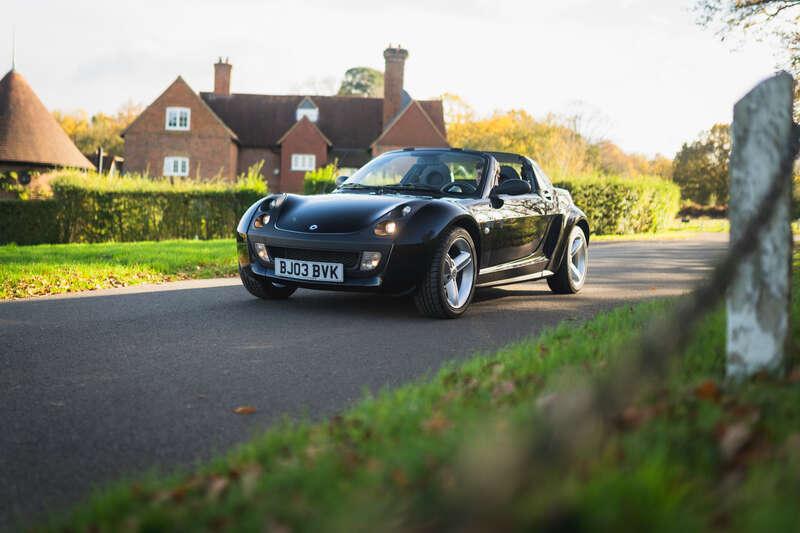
column 29, row 222
column 617, row 205
column 321, row 180
column 96, row 208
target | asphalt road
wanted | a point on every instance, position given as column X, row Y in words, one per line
column 101, row 385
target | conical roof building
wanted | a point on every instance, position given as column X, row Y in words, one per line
column 30, row 138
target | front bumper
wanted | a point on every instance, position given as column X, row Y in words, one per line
column 398, row 270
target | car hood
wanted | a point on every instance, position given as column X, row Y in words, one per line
column 335, row 213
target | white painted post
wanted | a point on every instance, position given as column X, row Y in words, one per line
column 758, row 298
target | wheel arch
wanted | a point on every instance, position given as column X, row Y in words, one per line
column 584, row 225
column 471, row 225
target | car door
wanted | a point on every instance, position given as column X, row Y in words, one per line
column 515, row 234
column 545, row 205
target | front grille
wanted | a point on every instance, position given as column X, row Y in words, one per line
column 348, row 259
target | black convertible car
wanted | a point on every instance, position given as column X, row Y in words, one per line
column 433, row 222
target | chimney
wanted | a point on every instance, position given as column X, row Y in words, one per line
column 222, row 77
column 393, row 82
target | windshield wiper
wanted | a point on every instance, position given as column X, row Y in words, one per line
column 357, row 186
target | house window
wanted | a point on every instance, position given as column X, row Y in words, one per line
column 178, row 118
column 304, row 162
column 308, row 109
column 176, row 166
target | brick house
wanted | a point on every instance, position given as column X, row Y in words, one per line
column 220, row 133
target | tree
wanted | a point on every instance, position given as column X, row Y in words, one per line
column 99, row 130
column 362, row 81
column 701, row 168
column 777, row 20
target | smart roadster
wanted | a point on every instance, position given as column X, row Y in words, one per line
column 435, row 223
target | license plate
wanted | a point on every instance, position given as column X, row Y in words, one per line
column 309, row 270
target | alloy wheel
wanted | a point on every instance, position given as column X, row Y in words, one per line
column 458, row 273
column 577, row 258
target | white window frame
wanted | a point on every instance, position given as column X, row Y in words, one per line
column 176, row 166
column 304, row 162
column 182, row 116
column 311, row 113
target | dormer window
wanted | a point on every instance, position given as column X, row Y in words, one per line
column 307, row 108
column 178, row 118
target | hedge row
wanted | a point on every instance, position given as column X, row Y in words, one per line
column 616, row 205
column 29, row 222
column 97, row 209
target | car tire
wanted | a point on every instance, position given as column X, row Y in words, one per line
column 263, row 288
column 571, row 275
column 436, row 296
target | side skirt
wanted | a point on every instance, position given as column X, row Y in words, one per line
column 508, row 281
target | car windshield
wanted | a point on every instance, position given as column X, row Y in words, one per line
column 444, row 172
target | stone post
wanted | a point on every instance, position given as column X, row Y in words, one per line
column 758, row 299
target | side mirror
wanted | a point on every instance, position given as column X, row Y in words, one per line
column 512, row 188
column 340, row 180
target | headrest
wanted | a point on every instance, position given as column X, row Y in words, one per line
column 508, row 173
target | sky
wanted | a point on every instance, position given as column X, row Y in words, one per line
column 656, row 78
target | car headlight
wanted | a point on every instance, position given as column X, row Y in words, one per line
column 261, row 220
column 387, row 228
column 370, row 260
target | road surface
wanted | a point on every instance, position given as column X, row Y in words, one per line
column 100, row 385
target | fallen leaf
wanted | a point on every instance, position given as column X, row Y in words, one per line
column 734, row 438
column 503, row 389
column 631, row 417
column 245, row 410
column 708, row 390
column 399, row 477
column 436, row 423
column 216, row 487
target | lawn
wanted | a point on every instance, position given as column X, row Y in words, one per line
column 677, row 229
column 55, row 268
column 43, row 269
column 463, row 449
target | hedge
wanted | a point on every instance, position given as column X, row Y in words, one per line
column 29, row 222
column 321, row 180
column 617, row 205
column 92, row 208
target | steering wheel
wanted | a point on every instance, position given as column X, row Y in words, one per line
column 467, row 188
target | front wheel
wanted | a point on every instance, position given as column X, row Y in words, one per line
column 447, row 288
column 571, row 274
column 263, row 288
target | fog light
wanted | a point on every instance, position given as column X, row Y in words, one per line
column 261, row 221
column 370, row 260
column 261, row 250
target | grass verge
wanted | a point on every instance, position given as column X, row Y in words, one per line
column 675, row 230
column 454, row 452
column 55, row 268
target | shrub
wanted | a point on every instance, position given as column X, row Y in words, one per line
column 617, row 205
column 321, row 180
column 29, row 222
column 96, row 208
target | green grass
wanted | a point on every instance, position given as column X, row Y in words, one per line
column 457, row 451
column 675, row 230
column 55, row 268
